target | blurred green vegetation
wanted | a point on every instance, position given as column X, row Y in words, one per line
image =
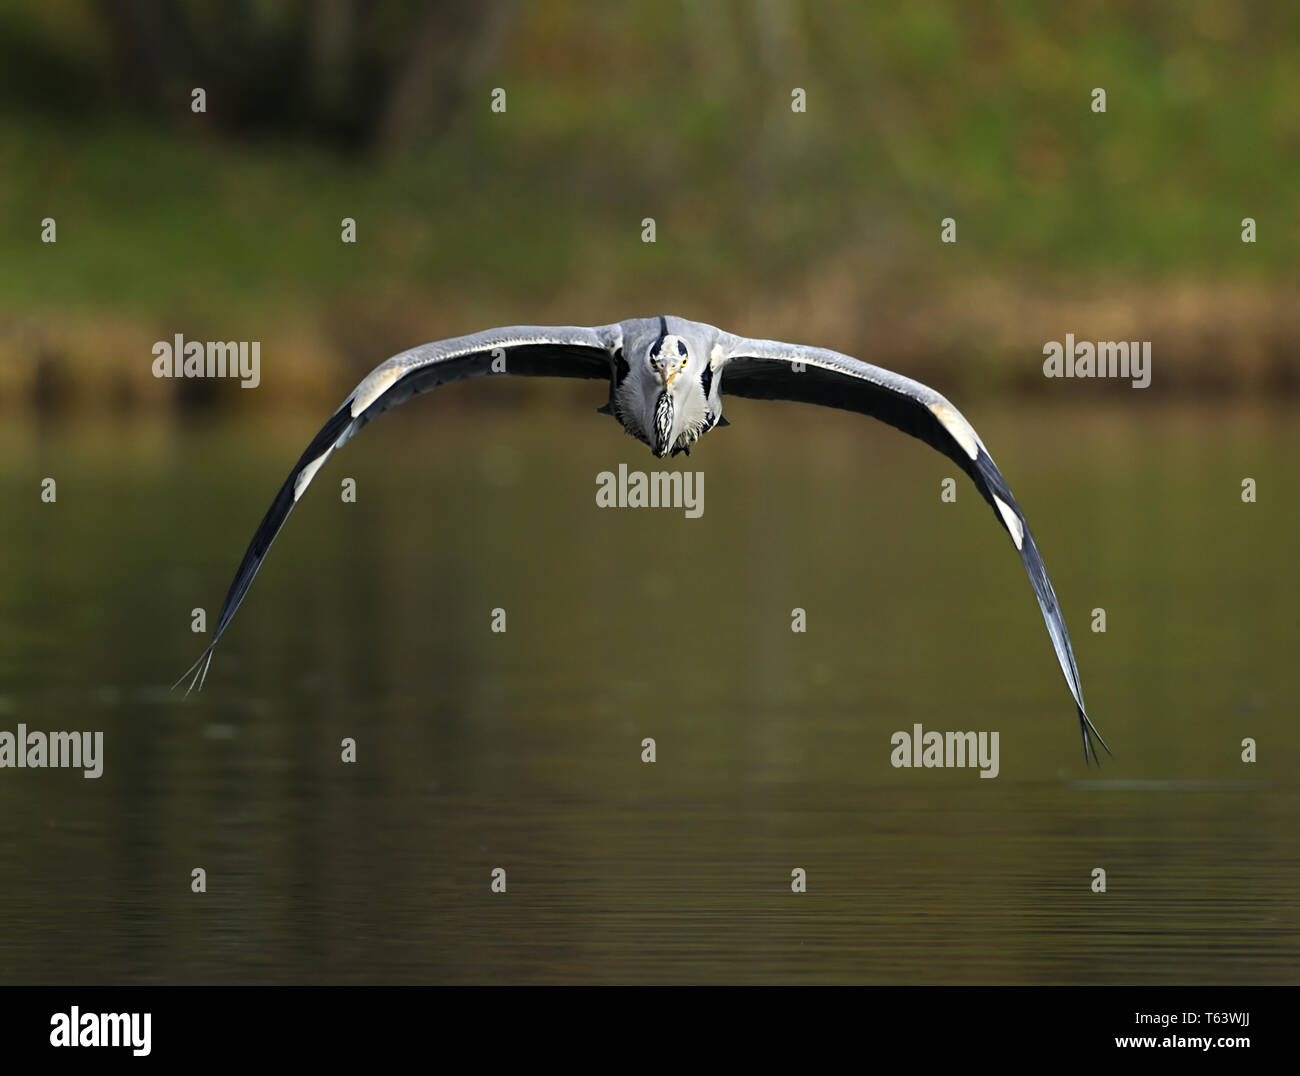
column 824, row 223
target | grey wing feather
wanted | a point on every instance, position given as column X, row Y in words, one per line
column 766, row 369
column 527, row 351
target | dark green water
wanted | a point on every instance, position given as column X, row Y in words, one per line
column 521, row 750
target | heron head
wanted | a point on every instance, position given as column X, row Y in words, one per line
column 676, row 403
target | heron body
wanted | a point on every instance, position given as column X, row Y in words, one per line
column 666, row 380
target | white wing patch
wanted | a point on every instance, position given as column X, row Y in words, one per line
column 374, row 386
column 959, row 428
column 308, row 473
column 1012, row 521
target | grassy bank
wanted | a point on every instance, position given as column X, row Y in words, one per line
column 821, row 225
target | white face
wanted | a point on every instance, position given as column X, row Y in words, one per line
column 673, row 409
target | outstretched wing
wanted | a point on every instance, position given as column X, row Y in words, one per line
column 770, row 370
column 521, row 351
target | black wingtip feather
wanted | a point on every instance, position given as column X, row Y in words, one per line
column 265, row 534
column 1091, row 737
column 198, row 672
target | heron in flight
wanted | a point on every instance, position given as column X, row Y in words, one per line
column 666, row 377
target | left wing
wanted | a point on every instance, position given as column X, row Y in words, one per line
column 770, row 370
column 522, row 350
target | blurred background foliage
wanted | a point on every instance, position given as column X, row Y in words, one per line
column 821, row 226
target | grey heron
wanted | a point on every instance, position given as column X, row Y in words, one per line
column 666, row 376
